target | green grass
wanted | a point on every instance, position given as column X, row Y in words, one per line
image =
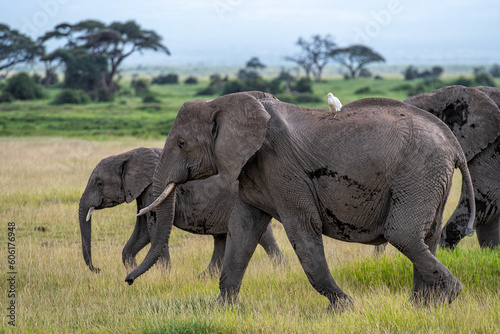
column 128, row 116
column 42, row 181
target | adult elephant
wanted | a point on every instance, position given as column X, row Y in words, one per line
column 473, row 115
column 380, row 171
column 129, row 176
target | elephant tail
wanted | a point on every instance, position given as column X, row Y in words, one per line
column 462, row 165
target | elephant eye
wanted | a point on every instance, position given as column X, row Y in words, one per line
column 181, row 142
column 99, row 183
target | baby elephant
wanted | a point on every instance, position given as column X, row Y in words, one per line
column 129, row 176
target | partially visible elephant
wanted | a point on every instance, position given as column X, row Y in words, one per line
column 380, row 171
column 473, row 115
column 129, row 176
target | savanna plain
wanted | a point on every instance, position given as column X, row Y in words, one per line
column 47, row 155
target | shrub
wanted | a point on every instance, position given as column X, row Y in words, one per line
column 191, row 81
column 210, row 90
column 23, row 87
column 6, row 97
column 171, row 78
column 484, row 79
column 232, row 86
column 363, row 90
column 71, row 96
column 307, row 98
column 463, row 81
column 140, row 86
column 150, row 97
column 303, row 85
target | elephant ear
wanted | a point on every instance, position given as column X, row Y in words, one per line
column 138, row 170
column 239, row 128
column 492, row 92
column 472, row 116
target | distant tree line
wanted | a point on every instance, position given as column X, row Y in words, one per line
column 92, row 53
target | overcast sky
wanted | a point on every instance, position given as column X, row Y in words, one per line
column 231, row 31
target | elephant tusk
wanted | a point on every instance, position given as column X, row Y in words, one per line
column 160, row 199
column 89, row 214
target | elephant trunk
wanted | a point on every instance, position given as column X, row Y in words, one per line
column 165, row 214
column 85, row 218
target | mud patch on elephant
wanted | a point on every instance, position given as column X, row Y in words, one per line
column 455, row 113
column 324, row 171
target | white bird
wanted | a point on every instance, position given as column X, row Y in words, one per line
column 334, row 104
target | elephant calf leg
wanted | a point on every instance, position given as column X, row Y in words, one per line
column 138, row 240
column 215, row 265
column 268, row 242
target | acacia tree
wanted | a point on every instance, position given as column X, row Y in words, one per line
column 15, row 47
column 304, row 61
column 315, row 54
column 118, row 41
column 72, row 34
column 355, row 58
column 113, row 43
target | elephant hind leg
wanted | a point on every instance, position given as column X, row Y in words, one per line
column 415, row 231
column 488, row 234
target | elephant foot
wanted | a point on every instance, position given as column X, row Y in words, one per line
column 210, row 272
column 440, row 293
column 94, row 269
column 340, row 303
column 225, row 300
column 278, row 259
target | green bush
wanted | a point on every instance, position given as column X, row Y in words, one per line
column 303, row 85
column 71, row 96
column 463, row 81
column 484, row 79
column 307, row 98
column 23, row 87
column 210, row 90
column 140, row 86
column 363, row 90
column 150, row 97
column 6, row 97
column 191, row 81
column 171, row 78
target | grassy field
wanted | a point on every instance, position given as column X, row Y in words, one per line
column 128, row 116
column 48, row 153
column 42, row 181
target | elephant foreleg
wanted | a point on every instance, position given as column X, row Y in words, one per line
column 268, row 242
column 138, row 240
column 246, row 225
column 308, row 245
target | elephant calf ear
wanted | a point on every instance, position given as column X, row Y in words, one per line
column 241, row 123
column 138, row 172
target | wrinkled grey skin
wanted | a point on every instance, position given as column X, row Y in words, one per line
column 473, row 115
column 380, row 171
column 128, row 176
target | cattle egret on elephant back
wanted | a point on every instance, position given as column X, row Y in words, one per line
column 334, row 104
